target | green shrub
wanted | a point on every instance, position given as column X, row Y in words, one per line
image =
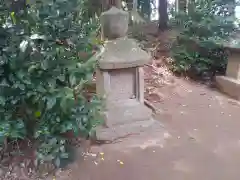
column 203, row 29
column 43, row 72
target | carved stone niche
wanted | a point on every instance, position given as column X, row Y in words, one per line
column 120, row 79
column 230, row 84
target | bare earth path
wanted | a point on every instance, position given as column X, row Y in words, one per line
column 200, row 139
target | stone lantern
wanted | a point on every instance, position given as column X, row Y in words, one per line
column 230, row 84
column 120, row 76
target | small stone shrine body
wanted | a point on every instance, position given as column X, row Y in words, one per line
column 230, row 84
column 120, row 77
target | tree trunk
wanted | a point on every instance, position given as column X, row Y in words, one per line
column 191, row 6
column 144, row 7
column 163, row 15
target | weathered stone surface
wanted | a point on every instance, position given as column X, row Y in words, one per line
column 229, row 86
column 114, row 23
column 233, row 67
column 126, row 112
column 130, row 129
column 122, row 53
column 121, row 85
column 120, row 76
column 120, row 79
column 124, row 92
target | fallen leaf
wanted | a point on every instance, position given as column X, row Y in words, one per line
column 120, row 162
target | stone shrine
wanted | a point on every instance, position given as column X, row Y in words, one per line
column 120, row 77
column 230, row 84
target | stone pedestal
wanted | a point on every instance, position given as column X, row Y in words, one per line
column 230, row 84
column 120, row 79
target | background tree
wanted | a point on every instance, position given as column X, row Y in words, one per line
column 144, row 7
column 163, row 15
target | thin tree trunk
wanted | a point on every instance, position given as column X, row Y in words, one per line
column 191, row 6
column 163, row 15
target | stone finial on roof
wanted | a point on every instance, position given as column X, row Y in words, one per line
column 114, row 23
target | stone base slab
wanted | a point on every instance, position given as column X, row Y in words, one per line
column 126, row 113
column 117, row 133
column 229, row 86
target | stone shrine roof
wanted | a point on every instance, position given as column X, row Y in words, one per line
column 122, row 53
